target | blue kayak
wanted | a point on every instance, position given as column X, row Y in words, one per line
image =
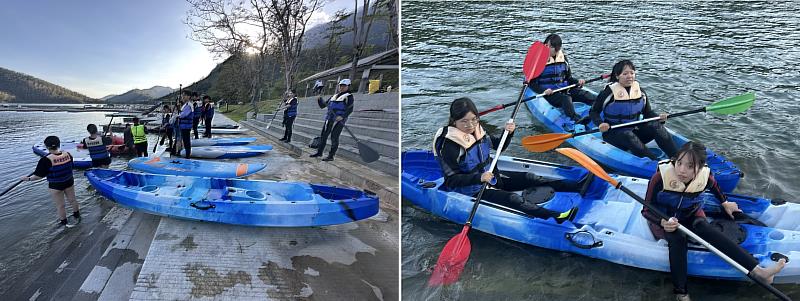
column 197, row 168
column 234, row 201
column 609, row 224
column 228, row 152
column 222, row 141
column 725, row 172
column 80, row 156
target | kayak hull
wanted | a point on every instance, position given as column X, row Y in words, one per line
column 80, row 156
column 609, row 224
column 196, row 168
column 222, row 141
column 725, row 172
column 228, row 152
column 234, row 201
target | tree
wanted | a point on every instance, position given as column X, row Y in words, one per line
column 360, row 37
column 334, row 31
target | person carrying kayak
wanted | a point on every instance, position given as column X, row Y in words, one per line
column 139, row 138
column 625, row 101
column 57, row 168
column 340, row 105
column 557, row 74
column 98, row 150
column 676, row 190
column 289, row 114
column 462, row 149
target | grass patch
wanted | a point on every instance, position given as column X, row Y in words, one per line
column 239, row 112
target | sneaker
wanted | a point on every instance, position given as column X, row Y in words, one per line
column 682, row 297
column 568, row 215
column 315, row 155
column 66, row 224
column 77, row 216
column 328, row 159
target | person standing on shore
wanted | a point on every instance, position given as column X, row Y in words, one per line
column 340, row 105
column 166, row 126
column 57, row 168
column 186, row 119
column 130, row 149
column 208, row 115
column 197, row 114
column 289, row 114
column 139, row 138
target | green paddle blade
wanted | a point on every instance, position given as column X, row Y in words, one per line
column 733, row 105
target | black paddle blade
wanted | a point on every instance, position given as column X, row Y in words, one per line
column 366, row 152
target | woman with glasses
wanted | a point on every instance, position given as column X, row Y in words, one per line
column 462, row 149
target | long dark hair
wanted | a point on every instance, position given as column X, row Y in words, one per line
column 459, row 108
column 617, row 70
column 695, row 151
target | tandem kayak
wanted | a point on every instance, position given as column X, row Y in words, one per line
column 609, row 224
column 234, row 201
column 222, row 141
column 725, row 172
column 228, row 152
column 232, row 131
column 197, row 168
column 80, row 156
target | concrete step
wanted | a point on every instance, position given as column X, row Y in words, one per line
column 384, row 133
column 388, row 148
column 391, row 123
column 385, row 164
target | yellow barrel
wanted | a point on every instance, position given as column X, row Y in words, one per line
column 374, row 85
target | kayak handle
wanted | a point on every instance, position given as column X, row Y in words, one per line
column 211, row 206
column 583, row 239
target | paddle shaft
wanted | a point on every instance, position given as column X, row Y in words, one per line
column 496, row 157
column 503, row 106
column 273, row 116
column 691, row 234
column 646, row 120
column 12, row 186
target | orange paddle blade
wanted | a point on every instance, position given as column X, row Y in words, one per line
column 544, row 142
column 588, row 163
column 452, row 260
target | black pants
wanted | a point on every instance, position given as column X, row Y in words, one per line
column 195, row 122
column 187, row 141
column 287, row 132
column 207, row 134
column 334, row 129
column 141, row 149
column 634, row 140
column 508, row 181
column 167, row 134
column 565, row 101
column 678, row 250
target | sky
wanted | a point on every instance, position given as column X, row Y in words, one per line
column 102, row 47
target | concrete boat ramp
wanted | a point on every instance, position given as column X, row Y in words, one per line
column 127, row 255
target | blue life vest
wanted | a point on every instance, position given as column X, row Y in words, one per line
column 337, row 106
column 186, row 122
column 209, row 110
column 61, row 167
column 622, row 106
column 554, row 75
column 475, row 158
column 97, row 149
column 679, row 199
column 291, row 111
column 195, row 115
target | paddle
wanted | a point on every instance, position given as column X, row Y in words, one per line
column 456, row 252
column 598, row 171
column 274, row 115
column 367, row 153
column 13, row 186
column 733, row 105
column 503, row 106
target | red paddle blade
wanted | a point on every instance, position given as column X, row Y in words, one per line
column 535, row 60
column 452, row 260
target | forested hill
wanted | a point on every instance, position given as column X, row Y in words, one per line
column 20, row 87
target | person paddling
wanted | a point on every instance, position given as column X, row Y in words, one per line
column 676, row 190
column 340, row 105
column 624, row 101
column 57, row 168
column 558, row 74
column 98, row 150
column 462, row 149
